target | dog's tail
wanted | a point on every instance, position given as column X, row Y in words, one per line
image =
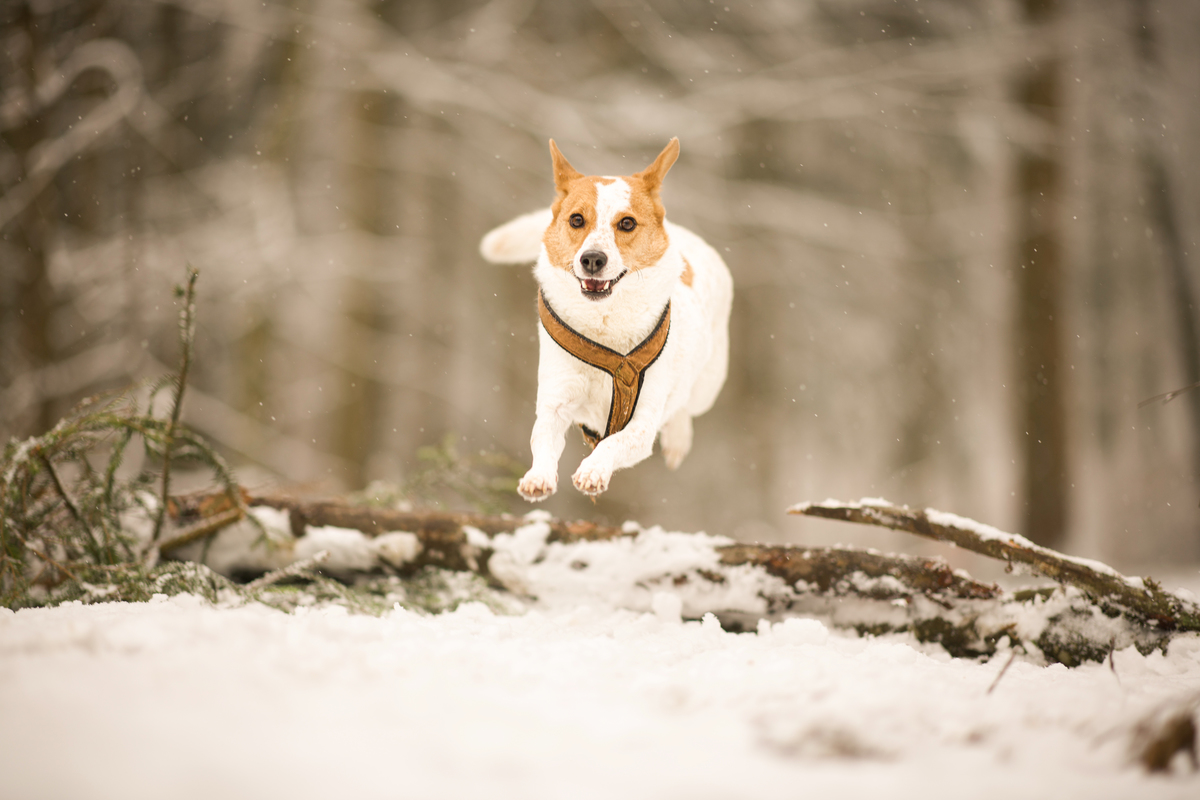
column 518, row 241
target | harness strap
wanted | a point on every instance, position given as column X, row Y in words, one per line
column 627, row 372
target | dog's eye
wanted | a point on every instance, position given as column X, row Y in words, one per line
column 576, row 220
column 627, row 223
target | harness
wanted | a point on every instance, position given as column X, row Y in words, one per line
column 627, row 372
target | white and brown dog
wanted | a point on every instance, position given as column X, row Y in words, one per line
column 634, row 337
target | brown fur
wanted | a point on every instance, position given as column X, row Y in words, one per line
column 644, row 245
column 561, row 240
column 688, row 276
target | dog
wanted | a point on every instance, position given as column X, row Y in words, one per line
column 634, row 313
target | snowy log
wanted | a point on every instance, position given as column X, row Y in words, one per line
column 443, row 536
column 863, row 590
column 1141, row 598
column 870, row 592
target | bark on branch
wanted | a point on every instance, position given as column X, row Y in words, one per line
column 1142, row 597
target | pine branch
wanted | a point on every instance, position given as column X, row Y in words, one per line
column 62, row 492
column 187, row 332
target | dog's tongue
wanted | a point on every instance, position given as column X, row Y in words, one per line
column 594, row 286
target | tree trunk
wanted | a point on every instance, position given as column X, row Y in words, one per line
column 1163, row 213
column 1040, row 378
column 357, row 421
column 28, row 235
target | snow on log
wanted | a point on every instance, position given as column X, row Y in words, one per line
column 1142, row 598
column 538, row 557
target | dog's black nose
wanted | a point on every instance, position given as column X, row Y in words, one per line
column 592, row 261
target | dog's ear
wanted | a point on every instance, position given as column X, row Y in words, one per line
column 652, row 176
column 564, row 173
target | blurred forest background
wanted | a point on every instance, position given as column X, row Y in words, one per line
column 962, row 234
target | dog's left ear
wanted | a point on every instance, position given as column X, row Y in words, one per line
column 652, row 176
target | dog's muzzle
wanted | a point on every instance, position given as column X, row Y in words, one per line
column 597, row 290
column 593, row 262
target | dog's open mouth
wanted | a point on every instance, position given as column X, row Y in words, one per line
column 595, row 290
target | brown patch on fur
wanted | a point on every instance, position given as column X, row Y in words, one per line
column 564, row 173
column 561, row 240
column 652, row 176
column 645, row 245
column 688, row 276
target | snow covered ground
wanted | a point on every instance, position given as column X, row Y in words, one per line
column 177, row 698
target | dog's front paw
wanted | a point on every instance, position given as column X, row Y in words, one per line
column 591, row 480
column 534, row 486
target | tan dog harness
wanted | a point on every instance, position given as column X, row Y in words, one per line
column 627, row 372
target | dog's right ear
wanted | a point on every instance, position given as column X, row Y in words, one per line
column 564, row 173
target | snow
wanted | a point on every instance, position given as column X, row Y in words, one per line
column 627, row 572
column 607, row 679
column 986, row 532
column 982, row 530
column 178, row 698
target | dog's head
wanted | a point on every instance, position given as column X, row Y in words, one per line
column 605, row 228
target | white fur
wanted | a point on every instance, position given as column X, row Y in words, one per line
column 611, row 199
column 681, row 384
column 518, row 241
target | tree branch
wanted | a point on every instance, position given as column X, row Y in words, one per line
column 1141, row 597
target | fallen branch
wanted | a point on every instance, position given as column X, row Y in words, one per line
column 443, row 536
column 373, row 520
column 199, row 530
column 870, row 592
column 867, row 591
column 1143, row 598
column 825, row 567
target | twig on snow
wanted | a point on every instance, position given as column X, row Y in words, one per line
column 291, row 570
column 1011, row 658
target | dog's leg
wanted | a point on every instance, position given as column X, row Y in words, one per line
column 676, row 438
column 547, row 441
column 621, row 450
